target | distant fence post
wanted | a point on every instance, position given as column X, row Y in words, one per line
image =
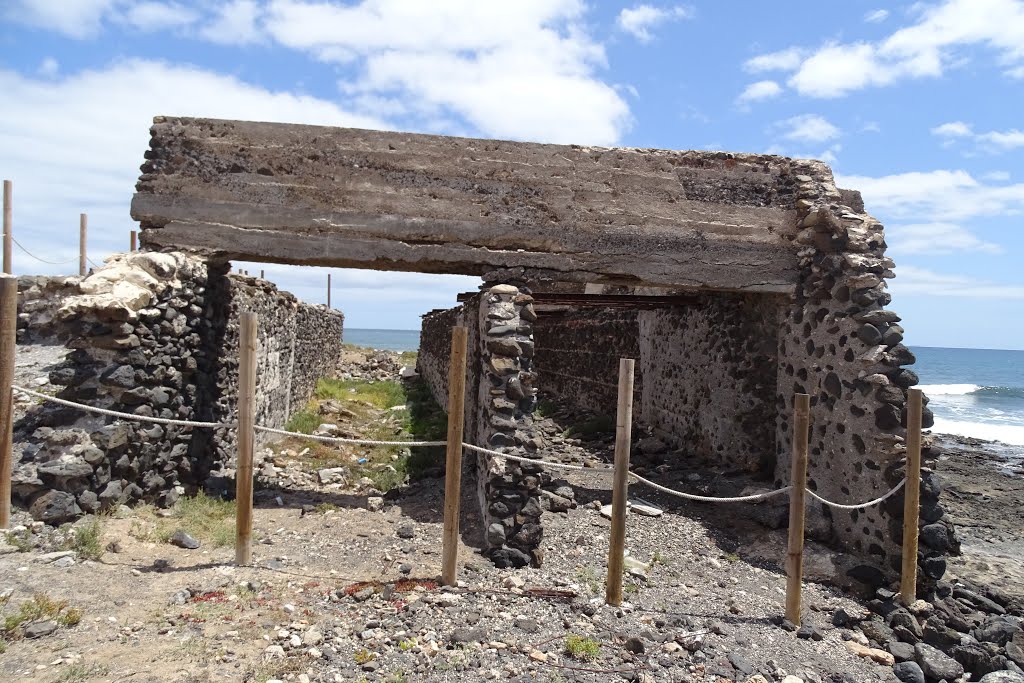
column 797, row 505
column 912, row 497
column 8, row 227
column 453, row 459
column 83, row 229
column 620, row 490
column 246, row 437
column 329, row 296
column 134, row 241
column 8, row 333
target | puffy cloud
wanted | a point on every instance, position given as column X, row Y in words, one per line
column 937, row 238
column 234, row 24
column 993, row 141
column 73, row 18
column 807, row 128
column 640, row 19
column 940, row 195
column 522, row 74
column 761, row 90
column 953, row 129
column 157, row 16
column 924, row 49
column 914, row 280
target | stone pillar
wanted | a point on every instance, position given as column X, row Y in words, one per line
column 509, row 491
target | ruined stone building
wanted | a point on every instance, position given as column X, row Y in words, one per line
column 758, row 279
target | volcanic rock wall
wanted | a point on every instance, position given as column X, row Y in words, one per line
column 578, row 352
column 155, row 334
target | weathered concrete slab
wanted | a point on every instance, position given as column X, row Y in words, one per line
column 398, row 201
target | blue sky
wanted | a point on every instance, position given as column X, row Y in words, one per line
column 918, row 105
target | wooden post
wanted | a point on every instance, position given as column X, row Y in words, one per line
column 8, row 227
column 912, row 497
column 620, row 492
column 261, row 274
column 83, row 229
column 797, row 505
column 246, row 435
column 8, row 328
column 453, row 460
column 329, row 299
column 134, row 241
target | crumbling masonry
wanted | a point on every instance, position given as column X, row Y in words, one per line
column 777, row 280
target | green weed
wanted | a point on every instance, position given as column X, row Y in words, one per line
column 76, row 673
column 583, row 649
column 87, row 541
column 39, row 607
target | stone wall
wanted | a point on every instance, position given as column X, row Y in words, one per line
column 710, row 378
column 578, row 352
column 39, row 297
column 155, row 334
column 839, row 343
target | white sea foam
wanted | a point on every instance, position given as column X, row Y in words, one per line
column 1009, row 434
column 949, row 389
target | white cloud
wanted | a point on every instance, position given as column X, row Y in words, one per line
column 876, row 16
column 936, row 238
column 62, row 166
column 49, row 67
column 924, row 49
column 761, row 90
column 953, row 129
column 914, row 280
column 807, row 128
column 993, row 141
column 235, row 24
column 157, row 16
column 997, row 176
column 640, row 19
column 527, row 74
column 936, row 196
column 783, row 60
column 1003, row 140
column 73, row 18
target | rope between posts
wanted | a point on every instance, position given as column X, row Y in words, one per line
column 859, row 506
column 123, row 416
column 609, row 470
column 338, row 439
column 41, row 260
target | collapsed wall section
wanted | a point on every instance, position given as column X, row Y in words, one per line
column 155, row 334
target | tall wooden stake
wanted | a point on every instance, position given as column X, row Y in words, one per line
column 620, row 492
column 246, row 437
column 453, row 460
column 134, row 241
column 8, row 227
column 83, row 229
column 8, row 327
column 329, row 293
column 797, row 505
column 912, row 497
column 261, row 274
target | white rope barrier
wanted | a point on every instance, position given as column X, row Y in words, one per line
column 709, row 499
column 859, row 506
column 123, row 416
column 338, row 439
column 372, row 442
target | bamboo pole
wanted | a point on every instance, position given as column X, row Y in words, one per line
column 134, row 241
column 453, row 459
column 797, row 506
column 912, row 498
column 329, row 293
column 8, row 227
column 620, row 492
column 8, row 331
column 246, row 437
column 83, row 229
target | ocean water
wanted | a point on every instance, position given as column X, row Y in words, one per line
column 391, row 340
column 974, row 392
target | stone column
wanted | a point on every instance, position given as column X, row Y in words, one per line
column 509, row 491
